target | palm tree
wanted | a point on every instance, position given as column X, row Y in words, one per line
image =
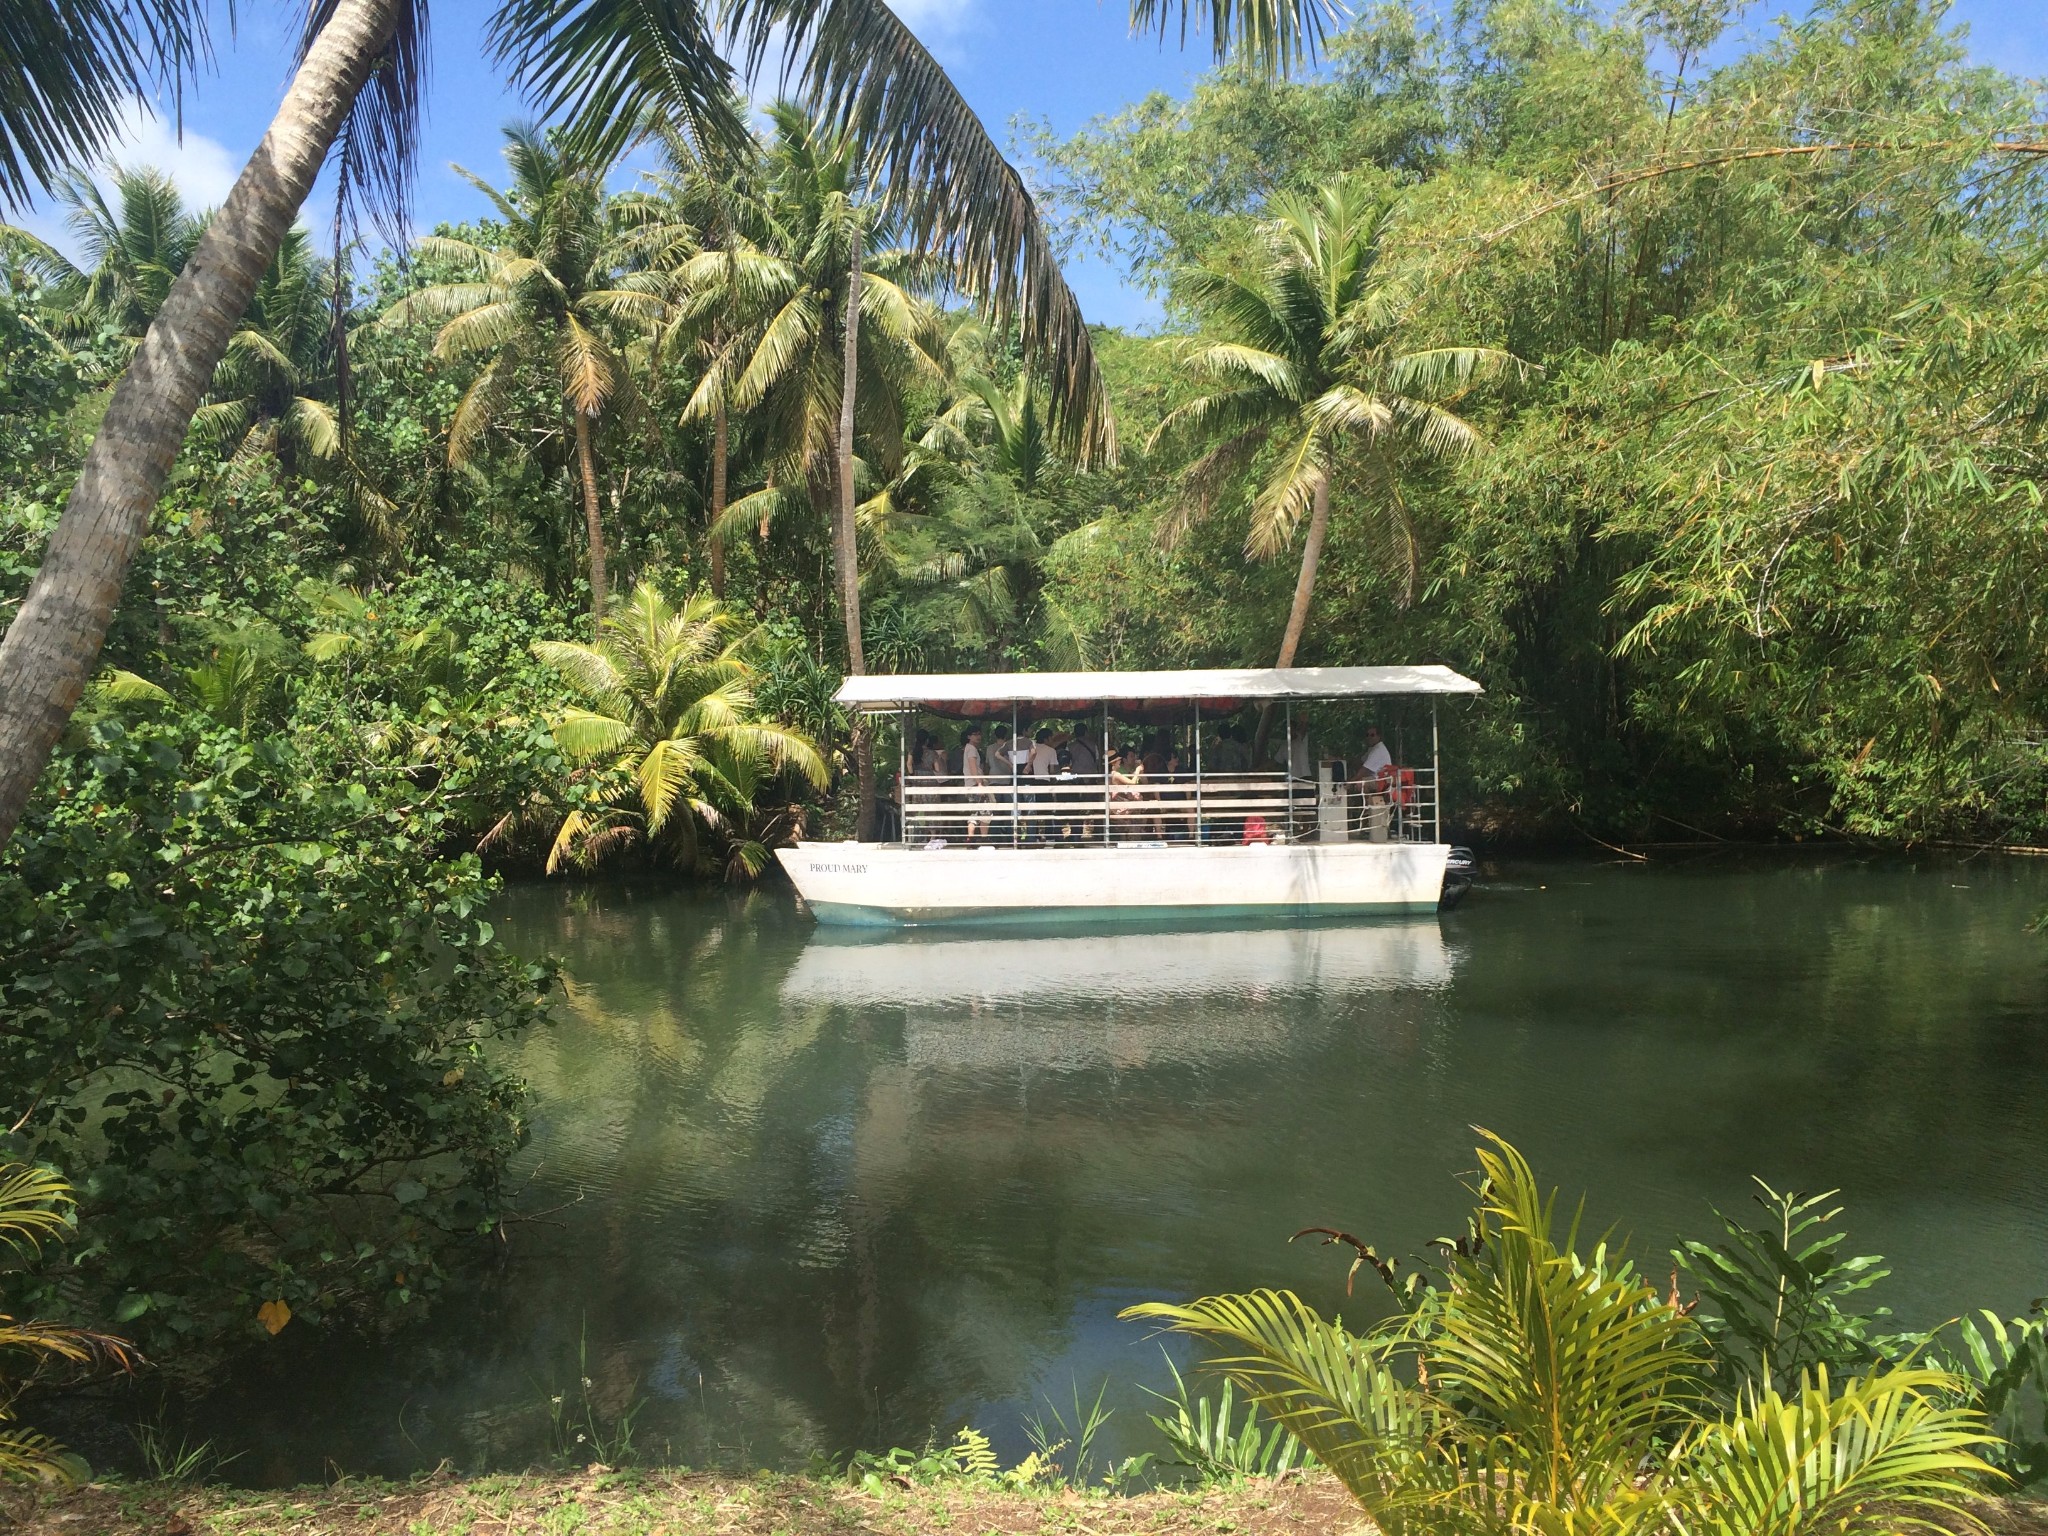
column 792, row 290
column 551, row 294
column 700, row 227
column 1307, row 354
column 1541, row 1389
column 668, row 712
column 267, row 389
column 132, row 251
column 830, row 263
column 611, row 65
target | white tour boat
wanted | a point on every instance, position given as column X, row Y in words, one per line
column 1301, row 836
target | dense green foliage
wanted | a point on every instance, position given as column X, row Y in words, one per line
column 249, row 1000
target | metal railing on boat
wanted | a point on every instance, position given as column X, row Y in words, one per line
column 1166, row 809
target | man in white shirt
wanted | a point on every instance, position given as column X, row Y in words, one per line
column 1377, row 757
column 1372, row 788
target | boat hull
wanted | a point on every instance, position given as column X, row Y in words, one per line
column 879, row 884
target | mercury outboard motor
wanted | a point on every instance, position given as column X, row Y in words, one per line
column 1460, row 870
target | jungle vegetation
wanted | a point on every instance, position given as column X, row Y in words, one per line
column 1695, row 408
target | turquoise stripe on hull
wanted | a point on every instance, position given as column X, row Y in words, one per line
column 849, row 915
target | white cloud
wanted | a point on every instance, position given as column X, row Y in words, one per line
column 941, row 25
column 929, row 18
column 202, row 168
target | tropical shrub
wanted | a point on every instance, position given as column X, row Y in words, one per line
column 250, row 998
column 36, row 1204
column 1783, row 1300
column 1541, row 1388
column 669, row 733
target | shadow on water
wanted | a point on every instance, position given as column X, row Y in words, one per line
column 802, row 1190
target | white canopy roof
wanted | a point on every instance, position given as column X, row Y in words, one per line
column 962, row 692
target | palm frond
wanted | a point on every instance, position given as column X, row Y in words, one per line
column 35, row 1201
column 1288, row 493
column 608, row 66
column 1878, row 1456
column 585, row 364
column 1332, row 1390
column 1273, row 36
column 867, row 74
column 591, row 670
column 584, row 735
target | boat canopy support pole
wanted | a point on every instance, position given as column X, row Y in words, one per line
column 1015, row 830
column 1105, row 773
column 1198, row 772
column 1287, row 768
column 1436, row 774
column 903, row 775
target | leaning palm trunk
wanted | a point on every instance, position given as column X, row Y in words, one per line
column 54, row 642
column 1304, row 591
column 1305, row 583
column 847, row 545
column 593, row 522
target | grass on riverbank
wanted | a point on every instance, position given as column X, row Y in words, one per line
column 659, row 1503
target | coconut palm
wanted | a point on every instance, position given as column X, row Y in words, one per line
column 668, row 715
column 131, row 251
column 551, row 294
column 809, row 381
column 701, row 228
column 1542, row 1389
column 36, row 1205
column 1307, row 357
column 791, row 288
column 267, row 390
column 610, row 65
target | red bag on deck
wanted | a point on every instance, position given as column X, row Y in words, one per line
column 1255, row 830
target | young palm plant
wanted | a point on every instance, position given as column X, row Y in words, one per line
column 1310, row 365
column 1539, row 1389
column 35, row 1205
column 669, row 718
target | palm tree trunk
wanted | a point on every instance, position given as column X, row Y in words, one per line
column 717, row 539
column 847, row 544
column 592, row 519
column 1297, row 615
column 1305, row 583
column 54, row 642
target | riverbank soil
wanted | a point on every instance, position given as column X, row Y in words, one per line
column 676, row 1504
column 601, row 1503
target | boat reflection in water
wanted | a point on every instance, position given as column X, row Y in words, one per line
column 1080, row 999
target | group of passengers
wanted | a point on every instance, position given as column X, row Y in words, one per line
column 1148, row 783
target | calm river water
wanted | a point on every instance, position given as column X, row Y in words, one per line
column 807, row 1190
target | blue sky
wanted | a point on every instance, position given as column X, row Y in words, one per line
column 1064, row 60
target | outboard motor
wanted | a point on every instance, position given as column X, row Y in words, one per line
column 1460, row 870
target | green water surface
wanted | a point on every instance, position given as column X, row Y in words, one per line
column 797, row 1190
